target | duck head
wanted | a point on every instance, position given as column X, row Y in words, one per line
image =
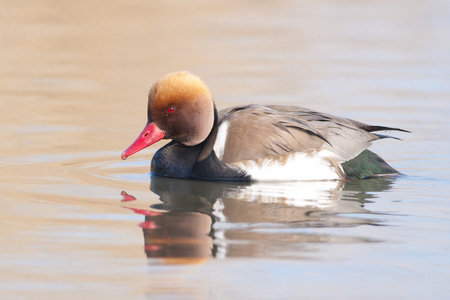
column 181, row 108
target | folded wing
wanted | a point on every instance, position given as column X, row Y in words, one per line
column 256, row 131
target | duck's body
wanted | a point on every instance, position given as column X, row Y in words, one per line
column 252, row 142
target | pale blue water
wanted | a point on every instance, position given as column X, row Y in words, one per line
column 74, row 84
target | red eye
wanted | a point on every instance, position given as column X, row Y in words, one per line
column 170, row 110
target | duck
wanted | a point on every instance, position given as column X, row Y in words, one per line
column 252, row 142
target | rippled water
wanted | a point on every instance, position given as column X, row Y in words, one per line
column 77, row 222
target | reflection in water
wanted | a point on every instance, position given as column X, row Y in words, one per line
column 197, row 220
column 126, row 197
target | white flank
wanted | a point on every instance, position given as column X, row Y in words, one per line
column 219, row 145
column 295, row 167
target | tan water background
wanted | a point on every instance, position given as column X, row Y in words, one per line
column 74, row 81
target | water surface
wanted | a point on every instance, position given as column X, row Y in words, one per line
column 74, row 83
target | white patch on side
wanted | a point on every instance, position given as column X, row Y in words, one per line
column 331, row 155
column 328, row 154
column 295, row 167
column 221, row 139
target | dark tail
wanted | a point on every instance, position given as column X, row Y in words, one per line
column 371, row 128
column 366, row 165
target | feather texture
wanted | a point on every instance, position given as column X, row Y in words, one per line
column 261, row 131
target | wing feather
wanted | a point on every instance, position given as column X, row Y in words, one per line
column 257, row 131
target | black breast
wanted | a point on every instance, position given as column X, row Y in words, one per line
column 175, row 160
column 180, row 161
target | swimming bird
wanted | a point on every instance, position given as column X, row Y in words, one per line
column 252, row 142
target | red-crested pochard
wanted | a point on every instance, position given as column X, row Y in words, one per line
column 252, row 142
